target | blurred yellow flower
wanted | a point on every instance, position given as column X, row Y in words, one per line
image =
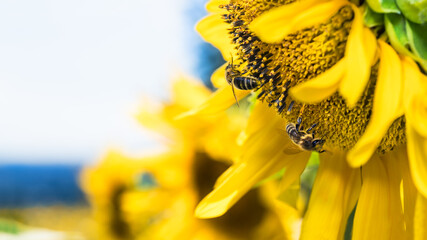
column 154, row 197
column 315, row 61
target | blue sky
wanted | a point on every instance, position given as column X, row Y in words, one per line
column 72, row 73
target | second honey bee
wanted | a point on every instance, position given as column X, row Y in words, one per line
column 304, row 139
column 236, row 79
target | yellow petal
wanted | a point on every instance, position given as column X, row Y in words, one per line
column 320, row 87
column 359, row 54
column 188, row 93
column 260, row 115
column 263, row 157
column 412, row 80
column 334, row 195
column 424, row 81
column 218, row 77
column 214, row 30
column 417, row 113
column 289, row 185
column 269, row 25
column 394, row 173
column 261, row 163
column 420, row 220
column 256, row 122
column 219, row 101
column 409, row 190
column 151, row 117
column 274, row 25
column 370, row 45
column 213, row 6
column 293, row 169
column 417, row 152
column 379, row 212
column 289, row 216
column 290, row 196
column 317, row 14
column 386, row 108
column 225, row 175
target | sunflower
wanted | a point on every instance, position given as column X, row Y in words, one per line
column 154, row 197
column 358, row 83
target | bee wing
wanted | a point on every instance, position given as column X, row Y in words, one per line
column 234, row 93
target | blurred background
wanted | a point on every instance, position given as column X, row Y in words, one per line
column 72, row 74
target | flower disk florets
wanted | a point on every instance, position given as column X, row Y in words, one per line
column 301, row 56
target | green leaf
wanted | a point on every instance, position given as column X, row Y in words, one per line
column 314, row 159
column 417, row 36
column 10, row 226
column 383, row 6
column 396, row 28
column 414, row 10
column 395, row 25
column 371, row 18
column 309, row 174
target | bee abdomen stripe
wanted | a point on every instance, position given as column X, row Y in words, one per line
column 245, row 83
column 290, row 128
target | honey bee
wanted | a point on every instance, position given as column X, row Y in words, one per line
column 236, row 79
column 304, row 139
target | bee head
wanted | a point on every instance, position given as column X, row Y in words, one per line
column 231, row 72
column 317, row 145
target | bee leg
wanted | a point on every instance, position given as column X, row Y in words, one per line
column 312, row 126
column 313, row 134
column 234, row 93
column 301, row 111
column 282, row 107
column 290, row 108
column 299, row 120
column 287, row 83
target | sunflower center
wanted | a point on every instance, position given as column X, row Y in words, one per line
column 303, row 55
